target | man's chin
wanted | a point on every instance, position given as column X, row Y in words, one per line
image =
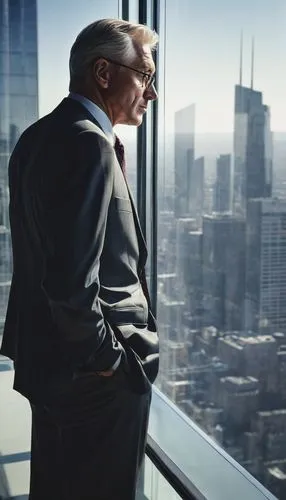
column 136, row 121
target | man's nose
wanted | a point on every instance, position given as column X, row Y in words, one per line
column 151, row 93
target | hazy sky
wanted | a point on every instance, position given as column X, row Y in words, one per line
column 202, row 54
column 59, row 22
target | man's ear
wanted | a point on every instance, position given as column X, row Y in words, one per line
column 101, row 72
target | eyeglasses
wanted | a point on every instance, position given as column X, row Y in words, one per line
column 147, row 80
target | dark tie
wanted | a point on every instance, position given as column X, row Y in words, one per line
column 119, row 150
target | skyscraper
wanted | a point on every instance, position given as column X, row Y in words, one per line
column 222, row 185
column 197, row 174
column 252, row 176
column 193, row 276
column 223, row 262
column 184, row 158
column 183, row 226
column 266, row 265
column 18, row 92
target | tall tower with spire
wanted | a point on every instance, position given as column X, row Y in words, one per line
column 252, row 166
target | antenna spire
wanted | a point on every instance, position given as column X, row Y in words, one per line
column 252, row 63
column 241, row 58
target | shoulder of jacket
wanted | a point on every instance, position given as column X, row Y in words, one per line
column 88, row 126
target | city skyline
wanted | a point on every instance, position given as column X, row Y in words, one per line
column 213, row 59
column 222, row 275
column 207, row 40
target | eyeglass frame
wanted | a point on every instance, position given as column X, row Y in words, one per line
column 151, row 78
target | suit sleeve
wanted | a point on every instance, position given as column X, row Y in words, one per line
column 74, row 229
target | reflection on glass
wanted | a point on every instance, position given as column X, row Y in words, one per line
column 222, row 227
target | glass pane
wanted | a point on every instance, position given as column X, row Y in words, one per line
column 128, row 134
column 154, row 486
column 149, row 164
column 221, row 230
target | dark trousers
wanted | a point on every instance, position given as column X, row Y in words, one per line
column 88, row 444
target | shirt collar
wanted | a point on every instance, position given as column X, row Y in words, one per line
column 100, row 116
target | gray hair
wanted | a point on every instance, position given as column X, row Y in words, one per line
column 110, row 38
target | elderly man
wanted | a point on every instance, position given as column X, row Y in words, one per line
column 79, row 326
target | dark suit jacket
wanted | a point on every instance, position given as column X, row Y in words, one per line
column 76, row 301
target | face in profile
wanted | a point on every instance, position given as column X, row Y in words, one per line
column 129, row 92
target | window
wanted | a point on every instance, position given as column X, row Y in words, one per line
column 221, row 114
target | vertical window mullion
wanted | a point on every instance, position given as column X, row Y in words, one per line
column 125, row 10
column 154, row 173
column 141, row 148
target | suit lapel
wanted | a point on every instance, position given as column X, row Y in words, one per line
column 141, row 240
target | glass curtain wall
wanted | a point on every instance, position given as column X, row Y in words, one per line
column 221, row 225
column 18, row 108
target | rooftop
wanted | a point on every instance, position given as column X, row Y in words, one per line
column 240, row 342
column 277, row 472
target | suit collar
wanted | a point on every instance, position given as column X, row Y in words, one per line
column 76, row 110
column 99, row 115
